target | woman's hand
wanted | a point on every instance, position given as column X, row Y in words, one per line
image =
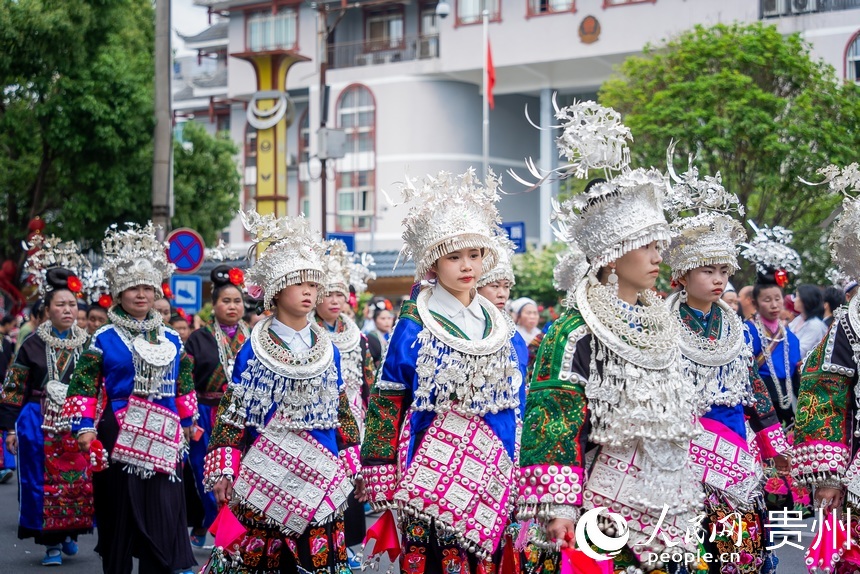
column 12, row 443
column 783, row 464
column 223, row 490
column 561, row 530
column 85, row 439
column 360, row 491
column 828, row 499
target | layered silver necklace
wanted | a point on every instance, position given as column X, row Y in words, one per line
column 55, row 389
column 302, row 386
column 348, row 342
column 154, row 363
column 226, row 356
column 717, row 368
column 784, row 395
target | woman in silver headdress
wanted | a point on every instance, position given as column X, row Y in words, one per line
column 132, row 389
column 719, row 365
column 607, row 371
column 55, row 498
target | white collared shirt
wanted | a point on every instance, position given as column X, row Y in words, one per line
column 297, row 341
column 469, row 319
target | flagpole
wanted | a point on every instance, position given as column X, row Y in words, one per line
column 486, row 125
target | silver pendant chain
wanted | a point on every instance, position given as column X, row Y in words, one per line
column 783, row 398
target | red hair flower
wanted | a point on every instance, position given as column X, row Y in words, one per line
column 105, row 301
column 165, row 290
column 74, row 284
column 236, row 277
column 781, row 277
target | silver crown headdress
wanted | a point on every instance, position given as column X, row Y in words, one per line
column 844, row 239
column 504, row 269
column 336, row 263
column 50, row 252
column 360, row 273
column 448, row 213
column 135, row 256
column 770, row 251
column 710, row 235
column 293, row 254
column 615, row 216
column 96, row 287
column 221, row 252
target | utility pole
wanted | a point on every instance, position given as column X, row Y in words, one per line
column 163, row 148
column 324, row 32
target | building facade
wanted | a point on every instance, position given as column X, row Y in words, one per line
column 405, row 86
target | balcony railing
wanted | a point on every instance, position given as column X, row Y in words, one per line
column 778, row 8
column 374, row 52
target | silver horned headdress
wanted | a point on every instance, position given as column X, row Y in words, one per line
column 293, row 254
column 769, row 249
column 705, row 232
column 450, row 212
column 336, row 264
column 50, row 252
column 614, row 216
column 504, row 269
column 134, row 256
column 844, row 239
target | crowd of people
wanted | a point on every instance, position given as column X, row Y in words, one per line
column 476, row 436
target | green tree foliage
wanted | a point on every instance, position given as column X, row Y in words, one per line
column 533, row 271
column 752, row 104
column 76, row 125
column 206, row 183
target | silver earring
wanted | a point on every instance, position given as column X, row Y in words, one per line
column 682, row 296
column 612, row 279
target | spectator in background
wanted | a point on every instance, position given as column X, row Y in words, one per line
column 730, row 297
column 82, row 315
column 527, row 317
column 163, row 307
column 37, row 316
column 378, row 337
column 809, row 324
column 96, row 318
column 181, row 326
column 7, row 352
column 746, row 303
column 850, row 291
column 834, row 298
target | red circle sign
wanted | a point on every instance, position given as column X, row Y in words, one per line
column 186, row 250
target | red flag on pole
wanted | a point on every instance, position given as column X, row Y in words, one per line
column 491, row 76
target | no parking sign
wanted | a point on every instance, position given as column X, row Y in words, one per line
column 186, row 250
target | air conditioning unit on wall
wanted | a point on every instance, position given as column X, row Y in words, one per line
column 771, row 8
column 803, row 6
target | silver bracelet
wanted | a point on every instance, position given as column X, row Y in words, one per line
column 85, row 431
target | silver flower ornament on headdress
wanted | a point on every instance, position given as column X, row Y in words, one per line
column 47, row 252
column 336, row 262
column 134, row 256
column 293, row 253
column 448, row 213
column 221, row 252
column 96, row 287
column 705, row 232
column 769, row 249
column 844, row 240
column 360, row 273
column 504, row 269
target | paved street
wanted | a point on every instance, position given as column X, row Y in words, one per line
column 23, row 556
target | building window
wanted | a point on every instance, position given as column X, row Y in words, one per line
column 356, row 181
column 470, row 11
column 537, row 7
column 852, row 59
column 304, row 157
column 271, row 31
column 613, row 3
column 222, row 122
column 384, row 29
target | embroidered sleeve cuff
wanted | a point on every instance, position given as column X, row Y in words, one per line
column 351, row 459
column 545, row 486
column 186, row 408
column 219, row 463
column 380, row 483
column 818, row 460
column 772, row 441
column 79, row 411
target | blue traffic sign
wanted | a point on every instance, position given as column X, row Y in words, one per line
column 186, row 250
column 516, row 231
column 187, row 292
column 347, row 238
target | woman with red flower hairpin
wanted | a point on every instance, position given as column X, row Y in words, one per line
column 56, row 494
column 213, row 350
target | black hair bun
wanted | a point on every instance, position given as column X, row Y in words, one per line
column 220, row 276
column 593, row 182
column 57, row 278
column 766, row 278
